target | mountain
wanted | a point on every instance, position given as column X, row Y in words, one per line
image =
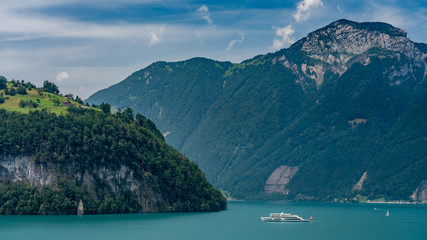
column 90, row 160
column 339, row 114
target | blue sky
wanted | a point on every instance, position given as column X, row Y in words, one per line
column 85, row 46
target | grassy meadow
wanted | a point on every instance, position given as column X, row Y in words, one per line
column 44, row 100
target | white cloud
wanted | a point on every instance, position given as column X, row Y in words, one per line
column 204, row 13
column 304, row 9
column 236, row 41
column 154, row 39
column 283, row 37
column 62, row 76
column 18, row 25
column 155, row 36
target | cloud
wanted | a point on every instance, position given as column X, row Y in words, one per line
column 302, row 13
column 153, row 39
column 304, row 9
column 155, row 36
column 283, row 37
column 203, row 11
column 236, row 41
column 20, row 25
column 62, row 76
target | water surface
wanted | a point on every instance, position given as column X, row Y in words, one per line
column 240, row 221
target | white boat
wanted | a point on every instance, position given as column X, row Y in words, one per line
column 283, row 217
column 387, row 214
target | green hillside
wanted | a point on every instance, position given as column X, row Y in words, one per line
column 341, row 102
column 54, row 156
column 38, row 98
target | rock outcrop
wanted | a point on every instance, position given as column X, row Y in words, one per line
column 420, row 194
column 278, row 180
column 19, row 168
column 358, row 186
column 80, row 208
column 23, row 168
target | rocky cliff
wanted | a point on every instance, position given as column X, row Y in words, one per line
column 23, row 168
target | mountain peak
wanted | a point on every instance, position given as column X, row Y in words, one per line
column 338, row 43
column 368, row 26
column 342, row 43
column 357, row 37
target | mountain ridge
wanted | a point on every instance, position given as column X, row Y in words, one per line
column 346, row 85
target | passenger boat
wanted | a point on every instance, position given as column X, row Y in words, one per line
column 283, row 217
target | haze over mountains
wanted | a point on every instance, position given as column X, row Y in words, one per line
column 341, row 112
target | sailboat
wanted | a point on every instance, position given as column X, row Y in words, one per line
column 387, row 214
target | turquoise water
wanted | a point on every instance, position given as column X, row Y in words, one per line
column 240, row 221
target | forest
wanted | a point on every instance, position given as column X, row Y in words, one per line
column 84, row 140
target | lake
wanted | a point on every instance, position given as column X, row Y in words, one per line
column 240, row 221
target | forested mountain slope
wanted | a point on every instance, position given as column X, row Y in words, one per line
column 341, row 112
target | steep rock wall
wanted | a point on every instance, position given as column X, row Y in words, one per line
column 23, row 168
column 19, row 168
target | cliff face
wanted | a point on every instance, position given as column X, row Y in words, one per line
column 20, row 168
column 23, row 168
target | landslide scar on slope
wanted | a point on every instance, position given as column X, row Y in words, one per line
column 278, row 180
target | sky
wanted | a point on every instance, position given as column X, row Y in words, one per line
column 85, row 46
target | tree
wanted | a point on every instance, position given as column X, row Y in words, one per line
column 127, row 115
column 3, row 82
column 50, row 87
column 79, row 100
column 21, row 90
column 32, row 104
column 2, row 99
column 11, row 92
column 29, row 86
column 21, row 103
column 105, row 107
column 14, row 82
